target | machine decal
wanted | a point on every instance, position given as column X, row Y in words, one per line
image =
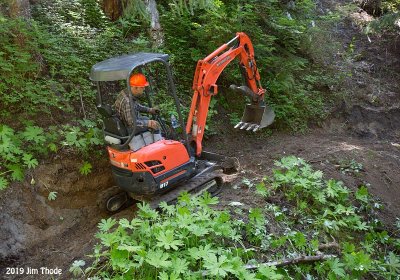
column 163, row 185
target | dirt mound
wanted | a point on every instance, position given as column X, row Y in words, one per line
column 382, row 123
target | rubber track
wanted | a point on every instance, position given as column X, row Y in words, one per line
column 188, row 186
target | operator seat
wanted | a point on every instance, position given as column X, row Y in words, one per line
column 116, row 132
column 113, row 126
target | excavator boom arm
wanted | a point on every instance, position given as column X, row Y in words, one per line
column 207, row 72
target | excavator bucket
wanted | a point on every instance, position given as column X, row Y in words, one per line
column 256, row 117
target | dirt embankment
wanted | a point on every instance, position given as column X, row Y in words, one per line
column 359, row 145
column 36, row 232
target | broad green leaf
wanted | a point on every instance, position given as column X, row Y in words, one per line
column 52, row 196
column 125, row 223
column 52, row 147
column 207, row 199
column 289, row 162
column 119, row 259
column 5, row 130
column 17, row 173
column 358, row 261
column 71, row 138
column 179, row 266
column 34, row 133
column 3, row 183
column 257, row 215
column 108, row 239
column 106, row 224
column 86, row 168
column 29, row 161
column 299, row 240
column 393, row 263
column 337, row 267
column 76, row 268
column 158, row 258
column 261, row 189
column 167, row 240
column 6, row 145
column 201, row 252
column 218, row 267
column 130, row 248
column 168, row 209
column 146, row 212
column 164, row 276
column 198, row 230
column 362, row 194
column 269, row 272
column 184, row 197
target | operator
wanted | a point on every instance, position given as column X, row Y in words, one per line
column 138, row 83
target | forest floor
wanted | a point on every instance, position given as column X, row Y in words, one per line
column 359, row 144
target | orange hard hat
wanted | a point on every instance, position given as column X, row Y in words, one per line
column 138, row 80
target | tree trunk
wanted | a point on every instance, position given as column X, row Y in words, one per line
column 372, row 7
column 151, row 7
column 155, row 27
column 16, row 8
column 112, row 8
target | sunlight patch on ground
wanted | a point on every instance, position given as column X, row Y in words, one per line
column 348, row 147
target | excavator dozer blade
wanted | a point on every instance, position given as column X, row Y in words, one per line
column 256, row 117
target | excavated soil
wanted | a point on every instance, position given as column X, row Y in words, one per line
column 364, row 127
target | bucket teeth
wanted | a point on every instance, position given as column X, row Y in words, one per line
column 238, row 124
column 245, row 125
column 250, row 127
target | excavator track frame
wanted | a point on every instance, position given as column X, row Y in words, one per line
column 208, row 179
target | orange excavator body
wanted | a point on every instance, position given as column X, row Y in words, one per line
column 169, row 165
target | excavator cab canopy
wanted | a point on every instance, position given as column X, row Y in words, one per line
column 120, row 68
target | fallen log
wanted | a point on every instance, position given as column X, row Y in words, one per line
column 296, row 260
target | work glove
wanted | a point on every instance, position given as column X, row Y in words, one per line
column 154, row 110
column 153, row 124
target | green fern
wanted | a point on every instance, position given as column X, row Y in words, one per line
column 3, row 183
column 86, row 168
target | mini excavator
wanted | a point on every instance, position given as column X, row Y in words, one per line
column 159, row 169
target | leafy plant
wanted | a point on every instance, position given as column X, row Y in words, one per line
column 193, row 240
column 350, row 166
column 76, row 267
column 184, row 240
column 20, row 150
column 86, row 168
column 52, row 196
